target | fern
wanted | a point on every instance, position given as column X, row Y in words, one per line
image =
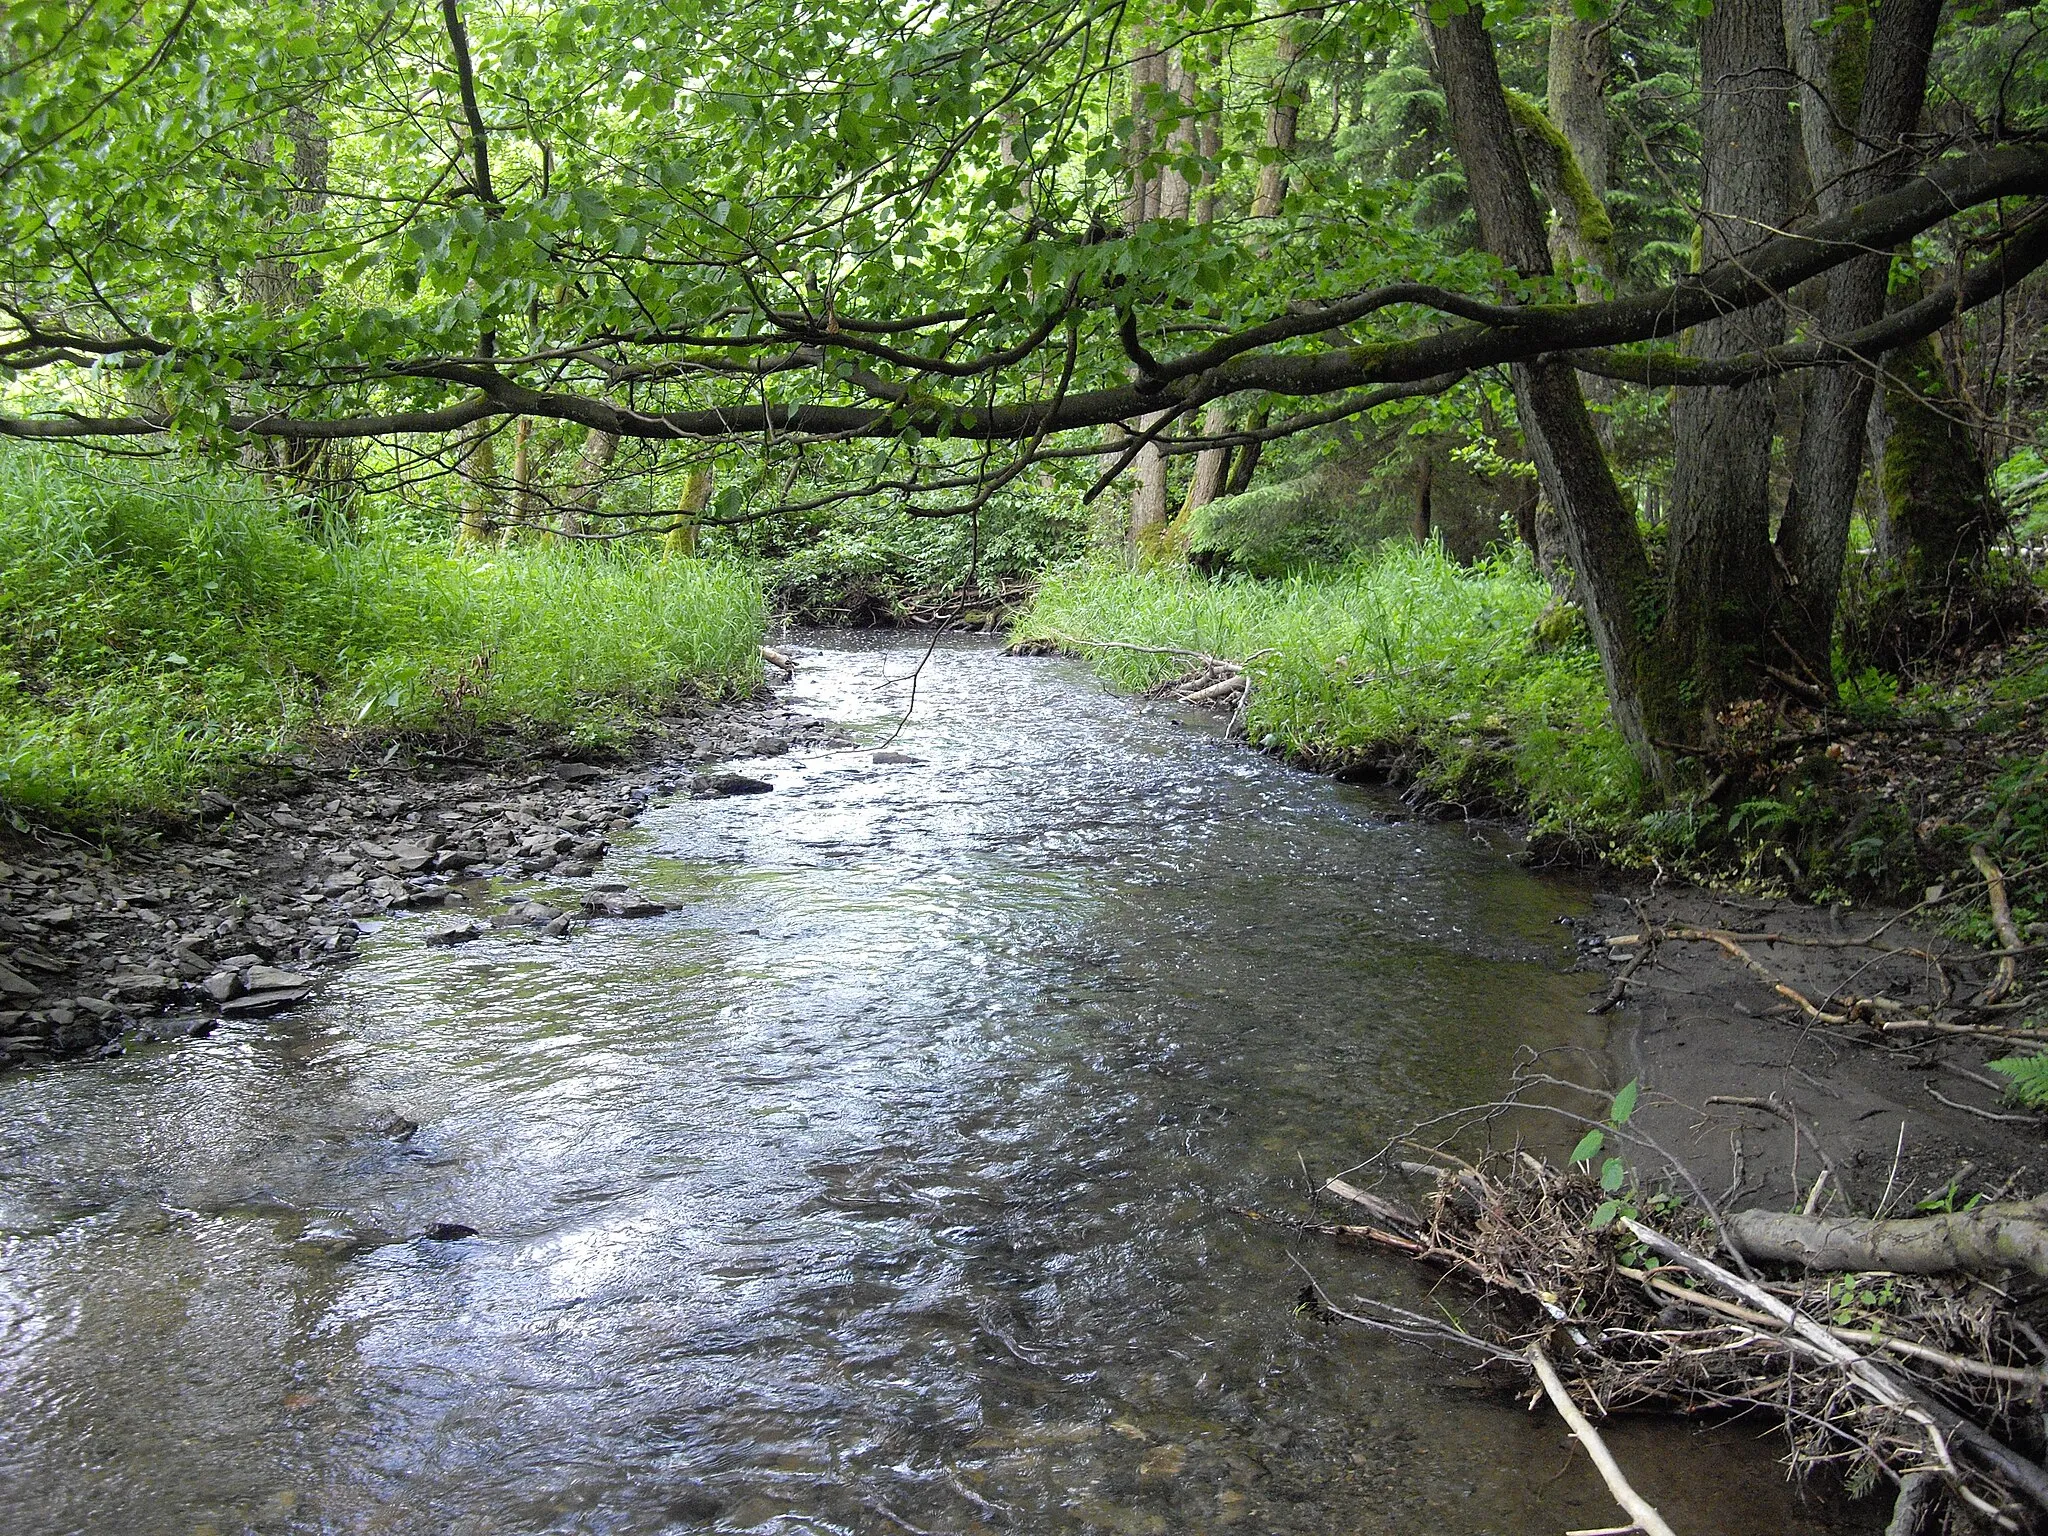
column 2029, row 1078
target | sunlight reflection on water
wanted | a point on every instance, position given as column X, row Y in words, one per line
column 885, row 1184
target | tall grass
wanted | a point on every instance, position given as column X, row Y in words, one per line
column 163, row 624
column 1401, row 659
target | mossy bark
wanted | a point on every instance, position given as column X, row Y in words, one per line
column 480, row 495
column 697, row 487
column 1936, row 513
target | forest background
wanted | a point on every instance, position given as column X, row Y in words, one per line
column 1627, row 417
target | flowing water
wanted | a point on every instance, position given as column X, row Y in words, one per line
column 889, row 1184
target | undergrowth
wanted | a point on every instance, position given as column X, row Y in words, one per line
column 1403, row 662
column 163, row 625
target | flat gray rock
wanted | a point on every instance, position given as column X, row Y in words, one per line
column 255, row 1004
column 268, row 978
column 622, row 904
column 720, row 785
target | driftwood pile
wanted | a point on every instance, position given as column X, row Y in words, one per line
column 1932, row 1382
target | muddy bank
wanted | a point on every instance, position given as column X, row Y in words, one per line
column 1894, row 1118
column 238, row 913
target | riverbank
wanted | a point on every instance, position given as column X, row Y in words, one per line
column 166, row 627
column 1456, row 685
column 237, row 911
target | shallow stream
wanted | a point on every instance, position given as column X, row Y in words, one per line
column 890, row 1184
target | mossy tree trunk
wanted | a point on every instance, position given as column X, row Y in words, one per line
column 1617, row 587
column 479, row 465
column 697, row 488
column 1876, row 76
column 1936, row 513
column 1719, row 617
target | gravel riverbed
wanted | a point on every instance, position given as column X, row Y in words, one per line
column 165, row 932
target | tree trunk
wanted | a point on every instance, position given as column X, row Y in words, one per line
column 1148, row 493
column 1989, row 1240
column 1176, row 194
column 1575, row 96
column 1936, row 514
column 580, row 505
column 1148, row 73
column 479, row 472
column 1616, row 585
column 525, row 514
column 1283, row 119
column 1212, row 465
column 1720, row 518
column 1813, row 539
column 1246, row 462
column 697, row 485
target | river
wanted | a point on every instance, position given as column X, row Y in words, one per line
column 890, row 1184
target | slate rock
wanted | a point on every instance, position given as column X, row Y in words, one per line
column 720, row 785
column 222, row 986
column 268, row 978
column 254, row 1005
column 12, row 985
column 622, row 904
column 448, row 1232
column 458, row 931
column 897, row 757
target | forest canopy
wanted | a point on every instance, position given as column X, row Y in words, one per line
column 858, row 253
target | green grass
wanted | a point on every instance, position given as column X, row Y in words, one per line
column 164, row 625
column 1403, row 659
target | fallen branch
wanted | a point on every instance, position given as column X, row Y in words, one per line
column 1942, row 1423
column 1215, row 692
column 1640, row 1509
column 1989, row 1240
column 1961, row 1365
column 2001, row 923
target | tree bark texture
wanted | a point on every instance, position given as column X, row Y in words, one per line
column 697, row 487
column 1283, row 121
column 1813, row 537
column 479, row 473
column 1615, row 583
column 1720, row 518
column 1936, row 513
column 580, row 505
column 1989, row 1240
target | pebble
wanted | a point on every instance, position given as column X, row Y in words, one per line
column 236, row 913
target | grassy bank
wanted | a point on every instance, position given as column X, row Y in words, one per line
column 163, row 625
column 1406, row 662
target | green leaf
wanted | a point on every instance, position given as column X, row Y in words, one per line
column 1603, row 1213
column 1624, row 1103
column 1611, row 1174
column 2028, row 1076
column 1589, row 1146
